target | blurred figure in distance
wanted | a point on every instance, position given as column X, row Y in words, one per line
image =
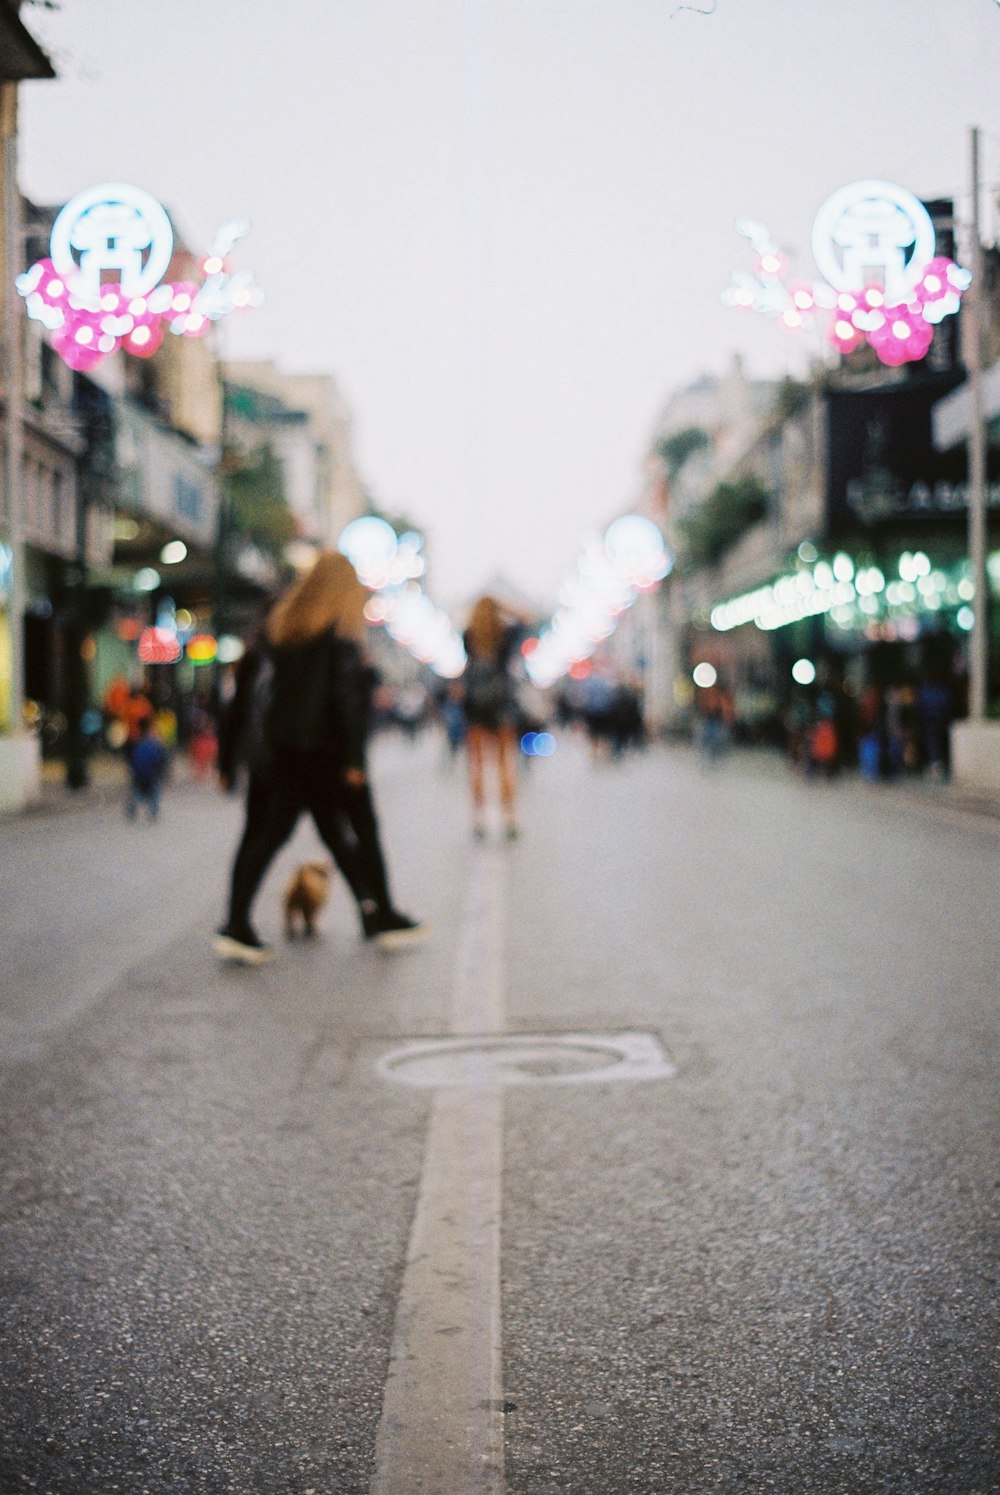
column 147, row 768
column 492, row 712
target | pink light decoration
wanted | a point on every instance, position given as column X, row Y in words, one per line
column 898, row 334
column 85, row 333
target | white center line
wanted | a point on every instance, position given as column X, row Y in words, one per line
column 441, row 1429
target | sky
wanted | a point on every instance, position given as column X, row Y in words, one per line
column 505, row 226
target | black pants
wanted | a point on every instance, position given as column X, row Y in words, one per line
column 344, row 816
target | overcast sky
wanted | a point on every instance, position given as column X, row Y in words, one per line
column 505, row 225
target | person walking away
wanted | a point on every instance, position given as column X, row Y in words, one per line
column 312, row 756
column 147, row 767
column 489, row 700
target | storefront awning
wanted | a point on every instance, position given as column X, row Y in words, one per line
column 951, row 417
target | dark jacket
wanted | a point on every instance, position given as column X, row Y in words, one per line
column 319, row 700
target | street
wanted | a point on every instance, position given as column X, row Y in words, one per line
column 723, row 1216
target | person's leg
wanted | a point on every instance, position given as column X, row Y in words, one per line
column 476, row 739
column 506, row 750
column 345, row 818
column 360, row 810
column 272, row 809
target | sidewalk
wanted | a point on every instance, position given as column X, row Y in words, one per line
column 108, row 780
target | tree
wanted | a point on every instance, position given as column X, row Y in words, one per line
column 723, row 518
column 678, row 447
column 255, row 499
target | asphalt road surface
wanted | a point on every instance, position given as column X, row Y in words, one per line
column 667, row 1164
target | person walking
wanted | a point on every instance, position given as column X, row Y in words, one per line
column 307, row 700
column 147, row 767
column 489, row 700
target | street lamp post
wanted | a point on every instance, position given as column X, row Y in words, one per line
column 979, row 637
column 19, row 769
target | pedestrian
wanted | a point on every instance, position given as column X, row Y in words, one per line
column 492, row 712
column 311, row 692
column 147, row 767
column 715, row 724
column 452, row 717
column 203, row 744
column 136, row 709
column 824, row 746
column 934, row 708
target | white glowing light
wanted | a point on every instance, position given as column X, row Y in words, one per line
column 370, row 545
column 704, row 675
column 173, row 552
column 113, row 227
column 231, row 649
column 803, row 672
column 873, row 230
column 635, row 548
column 966, row 619
column 146, row 580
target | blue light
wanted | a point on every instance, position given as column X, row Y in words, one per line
column 528, row 744
column 544, row 745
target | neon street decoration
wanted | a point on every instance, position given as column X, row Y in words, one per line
column 612, row 571
column 884, row 284
column 389, row 565
column 101, row 286
column 857, row 597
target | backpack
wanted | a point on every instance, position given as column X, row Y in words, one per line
column 488, row 688
column 148, row 760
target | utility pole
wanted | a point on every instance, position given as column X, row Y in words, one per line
column 973, row 350
column 20, row 767
column 14, row 399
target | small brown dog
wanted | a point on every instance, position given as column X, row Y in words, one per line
column 305, row 896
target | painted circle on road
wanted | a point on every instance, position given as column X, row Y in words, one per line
column 527, row 1059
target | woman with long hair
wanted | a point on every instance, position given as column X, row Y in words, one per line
column 491, row 709
column 314, row 757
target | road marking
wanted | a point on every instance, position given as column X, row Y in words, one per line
column 441, row 1429
column 529, row 1059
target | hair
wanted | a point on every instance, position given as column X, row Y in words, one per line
column 328, row 596
column 485, row 628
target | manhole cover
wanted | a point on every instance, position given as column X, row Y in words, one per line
column 528, row 1059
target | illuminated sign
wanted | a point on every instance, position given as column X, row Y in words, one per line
column 158, row 646
column 873, row 234
column 114, row 231
column 874, row 243
column 202, row 648
column 101, row 287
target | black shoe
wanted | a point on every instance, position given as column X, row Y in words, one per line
column 242, row 946
column 391, row 930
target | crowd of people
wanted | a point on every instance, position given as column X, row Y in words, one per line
column 292, row 733
column 886, row 731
